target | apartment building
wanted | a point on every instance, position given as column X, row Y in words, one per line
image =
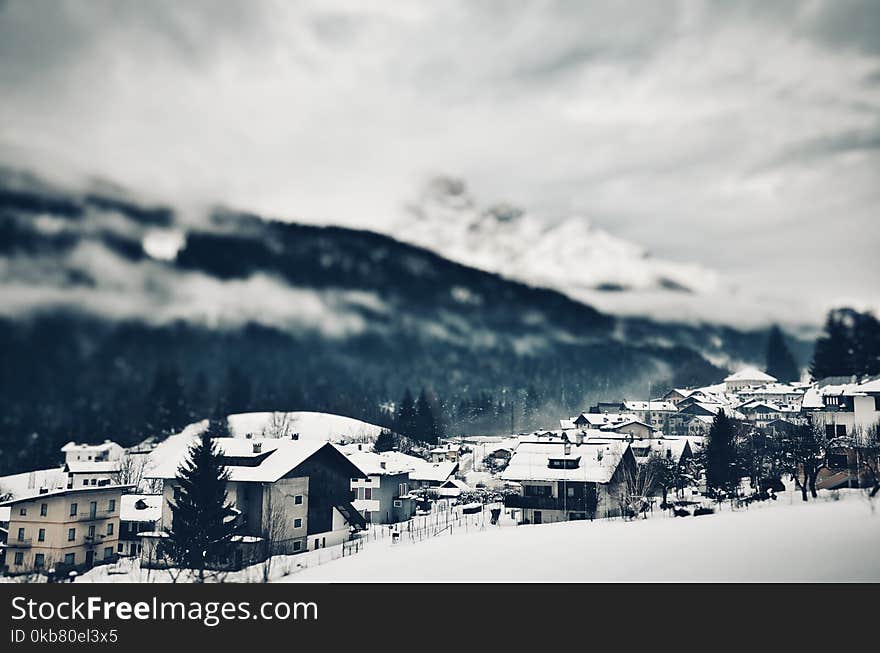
column 63, row 529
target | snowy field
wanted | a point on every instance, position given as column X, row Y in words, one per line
column 786, row 541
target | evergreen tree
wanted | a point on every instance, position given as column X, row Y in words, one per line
column 406, row 415
column 426, row 423
column 385, row 441
column 166, row 402
column 218, row 427
column 833, row 355
column 721, row 464
column 203, row 521
column 780, row 361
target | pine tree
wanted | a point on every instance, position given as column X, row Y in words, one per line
column 406, row 415
column 218, row 427
column 385, row 441
column 203, row 521
column 721, row 464
column 780, row 361
column 426, row 423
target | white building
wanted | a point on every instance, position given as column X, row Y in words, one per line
column 746, row 378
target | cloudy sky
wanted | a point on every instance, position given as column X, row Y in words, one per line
column 744, row 136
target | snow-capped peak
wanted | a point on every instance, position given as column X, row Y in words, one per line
column 570, row 255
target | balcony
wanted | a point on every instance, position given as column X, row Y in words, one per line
column 20, row 544
column 93, row 516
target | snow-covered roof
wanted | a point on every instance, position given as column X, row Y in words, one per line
column 750, row 374
column 140, row 507
column 27, row 483
column 661, row 406
column 597, row 461
column 93, row 467
column 601, row 419
column 104, row 446
column 433, row 471
column 63, row 491
column 5, row 513
column 276, row 458
column 377, row 464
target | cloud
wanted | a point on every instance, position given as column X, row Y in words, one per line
column 727, row 134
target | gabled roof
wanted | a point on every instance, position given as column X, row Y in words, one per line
column 433, row 471
column 275, row 459
column 650, row 405
column 92, row 467
column 104, row 446
column 598, row 460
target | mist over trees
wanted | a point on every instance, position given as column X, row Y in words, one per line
column 849, row 345
column 780, row 361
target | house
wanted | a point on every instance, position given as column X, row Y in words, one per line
column 676, row 395
column 431, row 475
column 446, row 453
column 295, row 494
column 90, row 473
column 635, row 428
column 561, row 481
column 655, row 413
column 843, row 409
column 106, row 451
column 138, row 513
column 63, row 529
column 746, row 378
column 452, row 488
column 382, row 494
column 598, row 420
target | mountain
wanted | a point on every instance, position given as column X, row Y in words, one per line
column 124, row 318
column 582, row 261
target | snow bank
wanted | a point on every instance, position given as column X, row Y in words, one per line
column 818, row 541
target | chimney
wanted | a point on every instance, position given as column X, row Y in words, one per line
column 382, row 464
column 567, row 448
column 258, row 447
column 44, row 490
column 248, row 436
column 579, row 437
column 295, row 436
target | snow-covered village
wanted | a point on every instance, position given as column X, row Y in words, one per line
column 298, row 297
column 765, row 467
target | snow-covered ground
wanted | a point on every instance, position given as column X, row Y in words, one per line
column 788, row 540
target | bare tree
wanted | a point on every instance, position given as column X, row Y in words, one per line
column 131, row 470
column 275, row 532
column 280, row 425
column 637, row 483
column 867, row 451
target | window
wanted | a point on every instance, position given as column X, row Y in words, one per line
column 177, row 495
column 368, row 493
column 298, row 499
column 841, row 430
column 73, row 510
column 22, row 511
column 41, row 535
column 69, row 558
column 297, row 546
column 110, row 528
column 44, row 509
column 119, row 547
column 402, row 489
column 19, row 557
column 71, row 534
column 537, row 490
column 20, row 534
column 570, row 491
column 297, row 523
column 112, row 506
column 398, row 503
column 91, row 531
column 85, row 481
column 39, row 560
column 355, row 480
column 108, row 552
column 368, row 480
column 94, row 481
